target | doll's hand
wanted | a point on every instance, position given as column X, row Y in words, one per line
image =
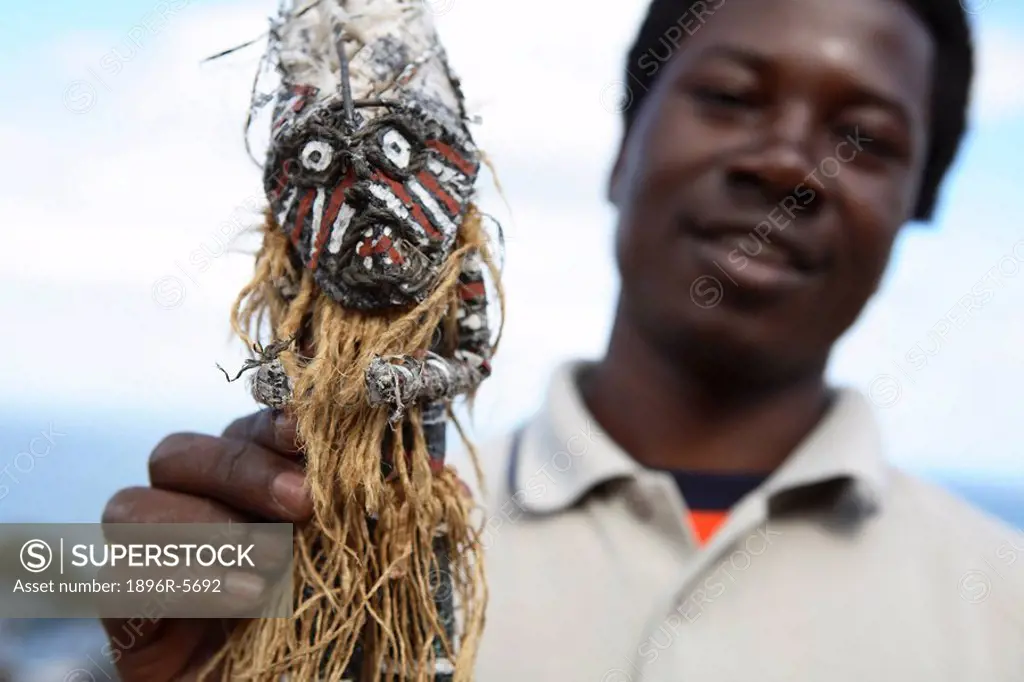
column 252, row 473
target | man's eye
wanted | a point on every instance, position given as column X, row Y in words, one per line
column 723, row 98
column 864, row 139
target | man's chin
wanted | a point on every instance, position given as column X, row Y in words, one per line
column 735, row 347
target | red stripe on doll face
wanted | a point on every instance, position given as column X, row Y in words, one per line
column 417, row 212
column 330, row 214
column 432, row 186
column 304, row 205
column 471, row 290
column 452, row 156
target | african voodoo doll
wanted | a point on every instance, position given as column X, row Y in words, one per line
column 370, row 306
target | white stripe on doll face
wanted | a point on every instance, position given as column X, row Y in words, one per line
column 397, row 206
column 454, row 182
column 286, row 207
column 318, row 218
column 340, row 227
column 436, row 212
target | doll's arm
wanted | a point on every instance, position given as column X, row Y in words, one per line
column 402, row 381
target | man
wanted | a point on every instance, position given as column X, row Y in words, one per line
column 699, row 504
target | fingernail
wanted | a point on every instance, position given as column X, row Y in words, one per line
column 244, row 585
column 289, row 490
column 284, row 431
column 281, row 418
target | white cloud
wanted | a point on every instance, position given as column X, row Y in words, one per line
column 102, row 205
column 1000, row 65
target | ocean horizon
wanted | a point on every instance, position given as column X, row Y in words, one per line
column 60, row 465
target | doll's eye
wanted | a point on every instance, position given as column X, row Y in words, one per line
column 396, row 148
column 316, row 155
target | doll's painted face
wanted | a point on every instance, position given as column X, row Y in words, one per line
column 371, row 206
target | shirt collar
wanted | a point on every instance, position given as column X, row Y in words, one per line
column 564, row 454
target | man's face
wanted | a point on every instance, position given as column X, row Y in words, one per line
column 766, row 176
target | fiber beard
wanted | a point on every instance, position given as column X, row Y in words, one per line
column 373, row 575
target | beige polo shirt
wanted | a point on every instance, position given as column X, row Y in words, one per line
column 839, row 568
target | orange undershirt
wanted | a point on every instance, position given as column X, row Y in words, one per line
column 710, row 496
column 705, row 523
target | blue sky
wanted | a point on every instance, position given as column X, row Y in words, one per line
column 152, row 170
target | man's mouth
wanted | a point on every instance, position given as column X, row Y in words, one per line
column 749, row 258
column 744, row 245
column 749, row 239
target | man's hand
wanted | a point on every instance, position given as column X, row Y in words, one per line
column 252, row 473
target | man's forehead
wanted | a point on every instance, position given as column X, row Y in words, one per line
column 879, row 46
column 886, row 30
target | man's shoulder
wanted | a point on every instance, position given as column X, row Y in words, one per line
column 953, row 536
column 962, row 550
column 930, row 507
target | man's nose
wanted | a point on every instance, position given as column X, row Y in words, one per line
column 778, row 160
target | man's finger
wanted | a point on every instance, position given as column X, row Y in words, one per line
column 273, row 429
column 151, row 505
column 240, row 474
column 161, row 650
